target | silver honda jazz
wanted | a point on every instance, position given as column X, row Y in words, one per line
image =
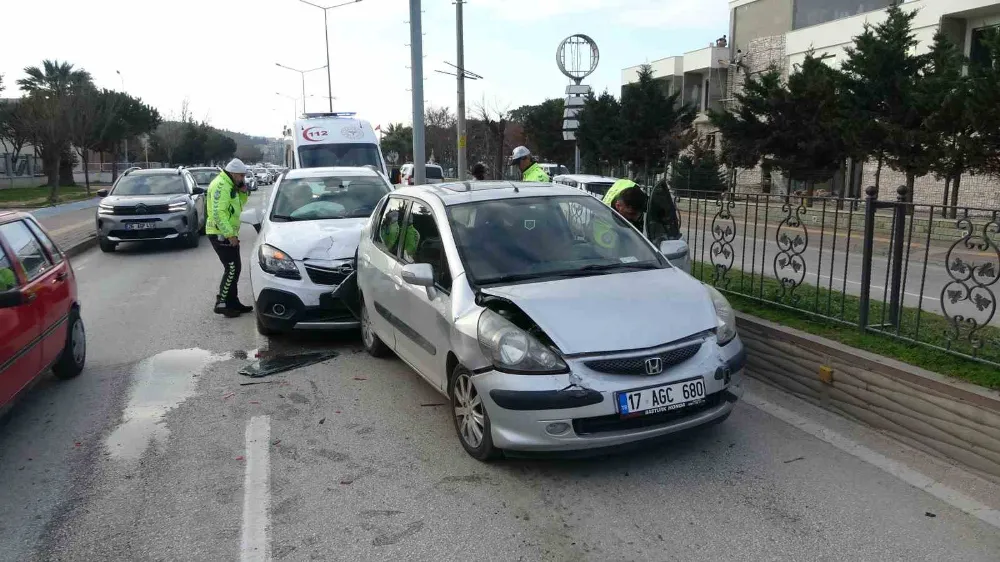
column 548, row 320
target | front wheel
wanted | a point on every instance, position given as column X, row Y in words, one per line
column 192, row 239
column 472, row 422
column 373, row 344
column 263, row 329
column 106, row 245
column 74, row 353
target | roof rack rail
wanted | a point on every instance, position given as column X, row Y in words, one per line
column 126, row 172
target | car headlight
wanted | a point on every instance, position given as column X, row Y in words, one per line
column 726, row 330
column 515, row 351
column 277, row 263
column 105, row 209
column 178, row 207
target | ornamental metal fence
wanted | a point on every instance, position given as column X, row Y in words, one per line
column 925, row 274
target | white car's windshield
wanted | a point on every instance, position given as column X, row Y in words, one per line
column 340, row 154
column 509, row 240
column 335, row 197
column 162, row 184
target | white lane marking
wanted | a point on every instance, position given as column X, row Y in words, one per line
column 916, row 479
column 256, row 545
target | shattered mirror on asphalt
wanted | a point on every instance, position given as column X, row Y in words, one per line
column 266, row 366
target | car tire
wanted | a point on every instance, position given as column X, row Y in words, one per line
column 106, row 245
column 74, row 354
column 201, row 231
column 373, row 344
column 192, row 239
column 464, row 397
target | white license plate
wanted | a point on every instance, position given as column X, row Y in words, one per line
column 663, row 398
column 140, row 226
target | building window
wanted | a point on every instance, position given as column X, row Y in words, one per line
column 705, row 107
column 815, row 12
column 979, row 53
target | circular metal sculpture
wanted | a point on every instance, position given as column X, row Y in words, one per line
column 577, row 57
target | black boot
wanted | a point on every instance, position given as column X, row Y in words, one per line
column 226, row 310
column 243, row 308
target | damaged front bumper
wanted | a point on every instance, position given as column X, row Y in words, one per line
column 577, row 410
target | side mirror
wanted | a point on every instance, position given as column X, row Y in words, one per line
column 197, row 190
column 676, row 251
column 12, row 298
column 102, row 192
column 420, row 274
column 250, row 216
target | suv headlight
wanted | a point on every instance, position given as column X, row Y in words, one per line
column 178, row 207
column 726, row 330
column 105, row 209
column 513, row 350
column 277, row 263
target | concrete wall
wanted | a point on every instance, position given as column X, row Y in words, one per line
column 940, row 416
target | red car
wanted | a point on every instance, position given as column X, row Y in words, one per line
column 40, row 325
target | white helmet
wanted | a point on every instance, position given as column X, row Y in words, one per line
column 236, row 166
column 520, row 152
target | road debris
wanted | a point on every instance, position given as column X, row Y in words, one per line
column 271, row 365
column 228, row 395
column 360, row 378
column 795, row 459
column 260, row 382
column 929, row 514
column 322, row 421
column 433, row 404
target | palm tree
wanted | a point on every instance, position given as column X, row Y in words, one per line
column 59, row 78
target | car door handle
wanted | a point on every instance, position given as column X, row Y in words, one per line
column 61, row 276
column 30, row 297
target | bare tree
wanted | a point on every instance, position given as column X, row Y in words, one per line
column 495, row 116
column 170, row 133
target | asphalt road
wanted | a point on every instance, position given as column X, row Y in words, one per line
column 158, row 453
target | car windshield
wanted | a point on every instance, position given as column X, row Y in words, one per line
column 434, row 173
column 161, row 184
column 341, row 154
column 204, row 177
column 334, row 197
column 508, row 240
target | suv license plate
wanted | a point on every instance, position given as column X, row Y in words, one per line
column 661, row 398
column 140, row 226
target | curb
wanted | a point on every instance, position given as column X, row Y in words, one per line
column 80, row 246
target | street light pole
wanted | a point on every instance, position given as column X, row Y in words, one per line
column 295, row 105
column 118, row 72
column 417, row 77
column 302, row 73
column 326, row 31
column 460, row 36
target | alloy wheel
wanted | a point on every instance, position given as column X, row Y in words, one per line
column 469, row 411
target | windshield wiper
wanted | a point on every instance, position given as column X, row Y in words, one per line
column 613, row 266
column 285, row 218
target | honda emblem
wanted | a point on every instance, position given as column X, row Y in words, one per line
column 654, row 366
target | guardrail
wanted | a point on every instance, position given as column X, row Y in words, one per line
column 892, row 267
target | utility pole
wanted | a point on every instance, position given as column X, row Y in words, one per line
column 463, row 165
column 417, row 77
column 326, row 29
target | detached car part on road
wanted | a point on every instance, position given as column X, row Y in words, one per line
column 146, row 205
column 302, row 264
column 550, row 322
column 40, row 324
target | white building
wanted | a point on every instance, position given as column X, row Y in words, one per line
column 780, row 32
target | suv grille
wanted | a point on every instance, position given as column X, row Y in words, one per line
column 636, row 365
column 326, row 276
column 142, row 210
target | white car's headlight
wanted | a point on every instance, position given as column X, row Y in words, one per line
column 515, row 351
column 726, row 330
column 105, row 209
column 178, row 207
column 278, row 263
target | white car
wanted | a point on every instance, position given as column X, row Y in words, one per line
column 302, row 269
column 263, row 176
column 597, row 186
column 433, row 172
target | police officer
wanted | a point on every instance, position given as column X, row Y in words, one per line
column 226, row 195
column 629, row 200
column 7, row 279
column 530, row 170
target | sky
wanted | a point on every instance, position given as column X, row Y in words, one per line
column 221, row 55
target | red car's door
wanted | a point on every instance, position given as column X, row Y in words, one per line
column 54, row 289
column 20, row 329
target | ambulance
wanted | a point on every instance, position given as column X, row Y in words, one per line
column 319, row 140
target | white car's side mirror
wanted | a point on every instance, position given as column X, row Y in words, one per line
column 420, row 274
column 677, row 252
column 249, row 216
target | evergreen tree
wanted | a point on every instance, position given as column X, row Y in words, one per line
column 748, row 129
column 655, row 122
column 599, row 134
column 984, row 106
column 697, row 174
column 883, row 96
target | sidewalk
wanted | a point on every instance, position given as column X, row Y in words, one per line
column 73, row 227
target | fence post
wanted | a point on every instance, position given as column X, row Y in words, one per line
column 898, row 232
column 868, row 243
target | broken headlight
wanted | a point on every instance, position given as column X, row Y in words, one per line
column 514, row 350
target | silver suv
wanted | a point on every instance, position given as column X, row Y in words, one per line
column 163, row 204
